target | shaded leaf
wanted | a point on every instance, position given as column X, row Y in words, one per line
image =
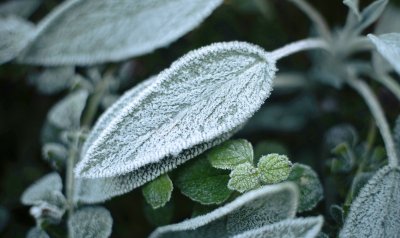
column 4, row 217
column 337, row 213
column 160, row 216
column 138, row 27
column 311, row 190
column 21, row 8
column 37, row 233
column 274, row 168
column 389, row 21
column 375, row 212
column 53, row 80
column 252, row 210
column 203, row 183
column 230, row 154
column 158, row 192
column 90, row 222
column 244, row 178
column 388, row 45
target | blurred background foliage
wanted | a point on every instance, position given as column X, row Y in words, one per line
column 294, row 120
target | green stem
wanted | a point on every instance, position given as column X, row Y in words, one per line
column 94, row 103
column 301, row 45
column 365, row 91
column 70, row 180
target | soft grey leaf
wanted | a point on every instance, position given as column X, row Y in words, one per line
column 21, row 8
column 90, row 222
column 375, row 212
column 53, row 80
column 252, row 210
column 370, row 14
column 37, row 233
column 388, row 45
column 47, row 211
column 66, row 114
column 230, row 154
column 354, row 7
column 207, row 93
column 292, row 228
column 42, row 189
column 15, row 34
column 78, row 31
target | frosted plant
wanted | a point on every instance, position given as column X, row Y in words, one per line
column 90, row 222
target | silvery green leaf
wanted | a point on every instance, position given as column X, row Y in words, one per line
column 66, row 114
column 274, row 168
column 230, row 154
column 137, row 27
column 207, row 93
column 42, row 190
column 90, row 222
column 292, row 228
column 388, row 45
column 55, row 154
column 203, row 183
column 254, row 209
column 370, row 14
column 15, row 34
column 244, row 177
column 158, row 191
column 21, row 8
column 53, row 80
column 375, row 212
column 354, row 7
column 311, row 190
column 37, row 233
column 389, row 21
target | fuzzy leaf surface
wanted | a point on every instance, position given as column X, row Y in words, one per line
column 388, row 45
column 244, row 177
column 375, row 212
column 251, row 210
column 158, row 192
column 78, row 32
column 292, row 228
column 230, row 154
column 42, row 189
column 207, row 93
column 90, row 222
column 274, row 168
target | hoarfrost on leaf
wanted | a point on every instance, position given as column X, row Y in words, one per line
column 90, row 222
column 244, row 177
column 375, row 212
column 388, row 45
column 274, row 168
column 230, row 154
column 158, row 192
column 78, row 31
column 254, row 209
column 42, row 189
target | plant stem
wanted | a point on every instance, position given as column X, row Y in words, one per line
column 365, row 91
column 315, row 17
column 93, row 103
column 70, row 180
column 301, row 45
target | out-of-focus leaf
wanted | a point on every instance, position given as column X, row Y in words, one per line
column 370, row 14
column 396, row 135
column 337, row 213
column 53, row 80
column 55, row 154
column 90, row 222
column 21, row 8
column 389, row 21
column 158, row 192
column 42, row 190
column 274, row 168
column 230, row 154
column 4, row 217
column 354, row 7
column 244, row 177
column 388, row 45
column 37, row 233
column 340, row 134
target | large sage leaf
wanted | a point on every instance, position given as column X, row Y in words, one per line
column 292, row 228
column 375, row 212
column 90, row 222
column 78, row 31
column 206, row 94
column 252, row 210
column 388, row 45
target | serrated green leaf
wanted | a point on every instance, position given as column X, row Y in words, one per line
column 254, row 209
column 90, row 222
column 53, row 80
column 37, row 233
column 244, row 177
column 21, row 8
column 292, row 228
column 230, row 154
column 388, row 45
column 311, row 190
column 78, row 32
column 274, row 168
column 158, row 192
column 203, row 183
column 375, row 212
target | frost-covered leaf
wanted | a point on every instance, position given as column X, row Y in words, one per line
column 21, row 8
column 203, row 183
column 388, row 45
column 90, row 222
column 292, row 228
column 230, row 154
column 42, row 190
column 15, row 34
column 158, row 192
column 244, row 177
column 370, row 14
column 53, row 80
column 78, row 32
column 207, row 93
column 274, row 168
column 55, row 154
column 37, row 233
column 354, row 7
column 311, row 190
column 375, row 212
column 254, row 209
column 66, row 114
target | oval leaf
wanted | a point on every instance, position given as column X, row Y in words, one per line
column 207, row 93
column 78, row 31
column 252, row 210
column 375, row 212
column 230, row 154
column 158, row 192
column 42, row 190
column 274, row 168
column 90, row 222
column 388, row 45
column 37, row 233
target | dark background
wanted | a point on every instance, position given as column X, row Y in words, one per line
column 23, row 109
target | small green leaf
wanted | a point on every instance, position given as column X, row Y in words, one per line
column 158, row 192
column 230, row 154
column 203, row 183
column 311, row 191
column 244, row 177
column 274, row 168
